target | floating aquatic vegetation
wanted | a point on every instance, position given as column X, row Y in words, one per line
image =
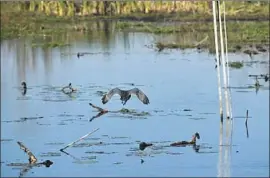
column 119, row 137
column 86, row 161
column 31, row 118
column 131, row 84
column 92, row 138
column 54, row 143
column 17, row 164
column 236, row 65
column 62, row 123
column 118, row 163
column 23, row 119
column 207, row 113
column 127, row 116
column 43, row 123
column 89, row 144
column 68, row 119
column 99, row 152
column 6, row 140
column 134, row 112
column 24, row 98
column 64, row 115
column 89, row 157
column 121, row 143
column 197, row 118
column 174, row 153
column 50, row 154
column 157, row 111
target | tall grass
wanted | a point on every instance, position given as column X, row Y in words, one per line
column 83, row 8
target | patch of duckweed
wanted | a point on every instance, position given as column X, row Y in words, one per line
column 236, row 65
column 99, row 152
column 88, row 144
column 50, row 154
column 134, row 112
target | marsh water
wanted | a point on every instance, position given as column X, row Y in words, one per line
column 183, row 92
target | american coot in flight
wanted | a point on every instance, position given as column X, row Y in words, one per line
column 125, row 95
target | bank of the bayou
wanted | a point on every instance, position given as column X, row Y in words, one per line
column 54, row 17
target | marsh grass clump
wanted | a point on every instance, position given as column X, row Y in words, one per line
column 146, row 10
column 161, row 46
column 236, row 65
column 133, row 112
column 50, row 45
column 53, row 20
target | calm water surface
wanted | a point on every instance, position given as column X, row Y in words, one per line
column 174, row 80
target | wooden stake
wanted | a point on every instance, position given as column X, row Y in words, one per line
column 246, row 123
column 246, row 117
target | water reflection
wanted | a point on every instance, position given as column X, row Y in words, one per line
column 224, row 159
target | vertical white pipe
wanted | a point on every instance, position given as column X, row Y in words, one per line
column 227, row 58
column 223, row 63
column 220, row 165
column 218, row 60
column 228, row 71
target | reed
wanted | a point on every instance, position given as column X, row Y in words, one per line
column 72, row 8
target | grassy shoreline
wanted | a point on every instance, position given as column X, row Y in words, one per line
column 31, row 22
column 243, row 27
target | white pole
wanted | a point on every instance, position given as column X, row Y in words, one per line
column 223, row 63
column 228, row 72
column 227, row 58
column 220, row 165
column 218, row 60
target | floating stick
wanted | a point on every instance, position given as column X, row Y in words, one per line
column 246, row 117
column 79, row 139
column 32, row 159
column 246, row 123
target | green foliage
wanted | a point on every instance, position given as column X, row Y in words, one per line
column 236, row 65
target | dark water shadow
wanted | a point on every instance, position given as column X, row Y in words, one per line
column 23, row 119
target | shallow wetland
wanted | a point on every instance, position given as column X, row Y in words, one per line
column 181, row 84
